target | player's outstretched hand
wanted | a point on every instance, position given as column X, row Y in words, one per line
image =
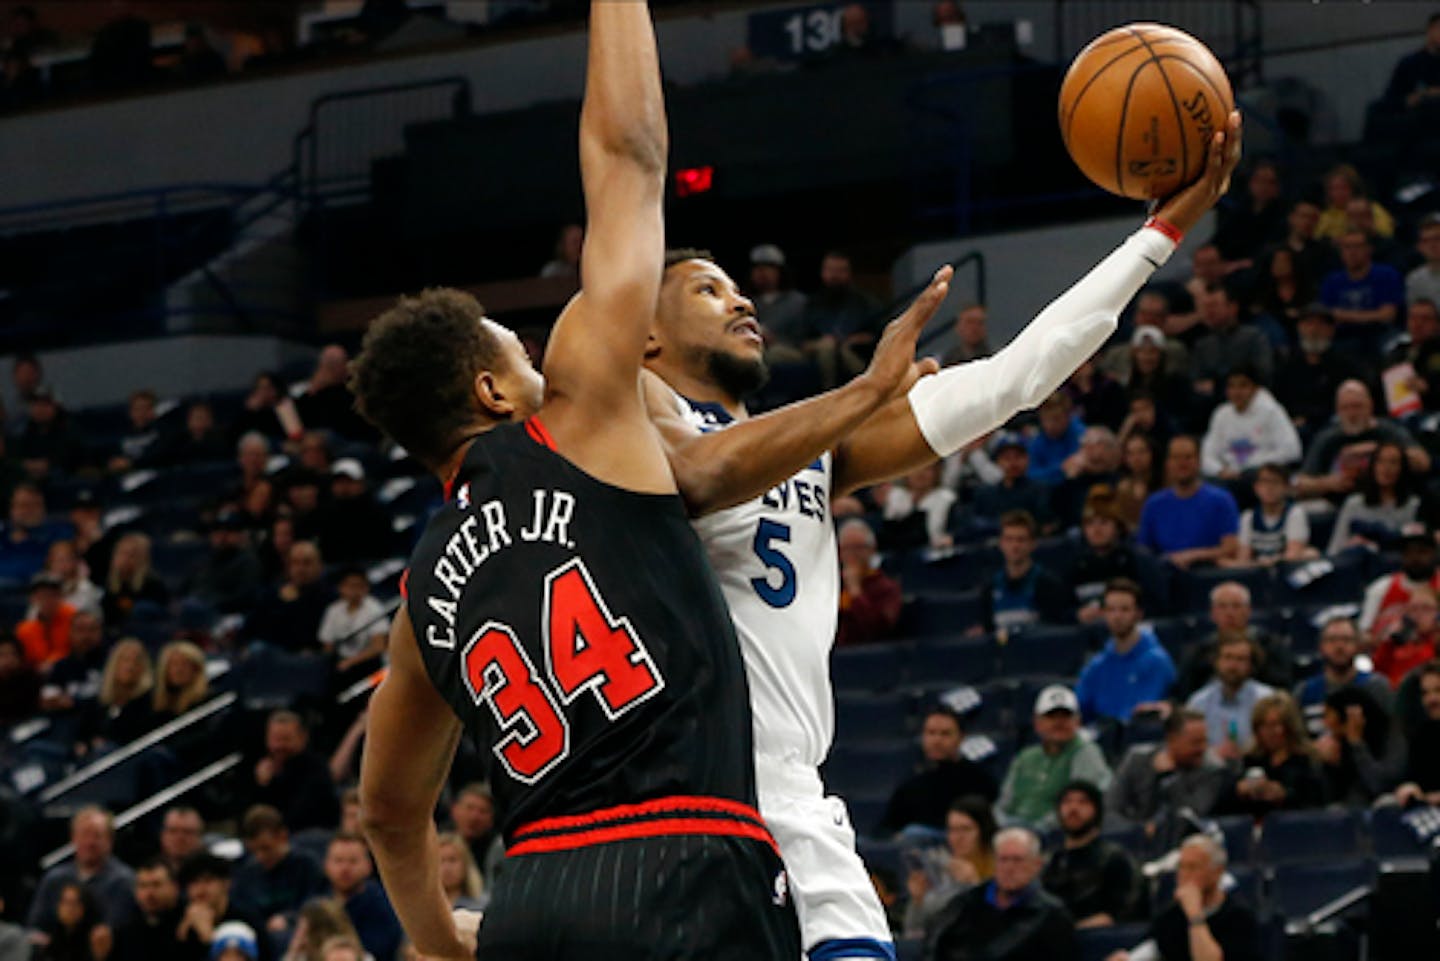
column 1185, row 207
column 892, row 369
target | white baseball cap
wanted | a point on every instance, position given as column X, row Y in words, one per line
column 1056, row 697
column 348, row 467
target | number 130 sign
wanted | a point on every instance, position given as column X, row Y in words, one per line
column 795, row 33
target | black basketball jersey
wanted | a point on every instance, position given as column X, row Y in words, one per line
column 578, row 632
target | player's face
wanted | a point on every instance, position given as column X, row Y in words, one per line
column 704, row 324
column 515, row 377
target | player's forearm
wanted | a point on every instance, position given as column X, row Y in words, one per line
column 724, row 468
column 624, row 109
column 961, row 403
column 408, row 856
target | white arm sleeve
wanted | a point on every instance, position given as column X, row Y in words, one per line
column 961, row 403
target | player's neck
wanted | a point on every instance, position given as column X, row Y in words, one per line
column 704, row 391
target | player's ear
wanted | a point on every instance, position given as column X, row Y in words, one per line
column 494, row 399
column 652, row 345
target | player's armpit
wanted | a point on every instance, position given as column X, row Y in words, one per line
column 408, row 750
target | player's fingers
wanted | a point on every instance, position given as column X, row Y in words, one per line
column 927, row 366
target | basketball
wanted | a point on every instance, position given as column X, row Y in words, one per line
column 1138, row 107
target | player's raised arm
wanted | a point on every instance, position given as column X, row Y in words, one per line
column 597, row 346
column 944, row 412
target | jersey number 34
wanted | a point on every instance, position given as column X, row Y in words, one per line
column 586, row 649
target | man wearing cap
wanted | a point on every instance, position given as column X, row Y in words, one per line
column 1307, row 381
column 46, row 635
column 971, row 337
column 1063, row 754
column 1098, row 881
column 1339, row 454
column 779, row 308
column 1388, row 595
column 208, row 911
column 234, row 941
column 1015, row 491
column 230, row 576
column 1152, row 312
column 352, row 526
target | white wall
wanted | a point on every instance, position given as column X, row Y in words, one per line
column 173, row 367
column 1027, row 269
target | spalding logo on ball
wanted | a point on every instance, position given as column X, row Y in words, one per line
column 1139, row 106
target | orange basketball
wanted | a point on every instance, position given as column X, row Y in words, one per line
column 1139, row 106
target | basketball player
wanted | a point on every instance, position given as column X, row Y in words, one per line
column 560, row 607
column 775, row 555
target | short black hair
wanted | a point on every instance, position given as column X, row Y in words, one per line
column 679, row 255
column 1124, row 585
column 156, row 862
column 1248, row 371
column 943, row 710
column 204, row 865
column 1097, row 799
column 417, row 364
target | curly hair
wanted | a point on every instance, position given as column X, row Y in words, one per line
column 414, row 375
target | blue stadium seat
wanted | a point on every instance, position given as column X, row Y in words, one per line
column 1056, row 554
column 1044, row 650
column 869, row 771
column 1192, row 587
column 1392, row 837
column 912, row 949
column 313, row 841
column 271, row 677
column 872, row 668
column 1343, row 584
column 946, row 615
column 1311, row 835
column 1097, row 944
column 174, row 561
column 883, row 856
column 944, row 575
column 1298, row 889
column 866, row 812
column 969, row 661
column 870, row 717
column 1239, row 831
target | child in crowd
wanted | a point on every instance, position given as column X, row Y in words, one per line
column 1274, row 529
column 354, row 627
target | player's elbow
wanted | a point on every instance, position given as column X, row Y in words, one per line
column 385, row 813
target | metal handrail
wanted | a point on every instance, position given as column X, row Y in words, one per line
column 140, row 744
column 153, row 803
column 1330, row 910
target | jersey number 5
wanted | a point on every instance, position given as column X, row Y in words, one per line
column 767, row 533
column 586, row 649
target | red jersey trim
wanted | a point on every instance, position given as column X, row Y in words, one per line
column 536, row 429
column 665, row 827
column 405, row 583
column 663, row 817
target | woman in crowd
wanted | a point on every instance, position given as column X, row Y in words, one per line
column 917, row 512
column 1343, row 184
column 71, row 936
column 967, row 859
column 1357, row 752
column 1387, row 500
column 1148, row 372
column 182, row 684
column 65, row 562
column 1284, row 290
column 131, row 581
column 1278, row 771
column 320, row 920
column 459, row 876
column 1140, row 476
column 125, row 711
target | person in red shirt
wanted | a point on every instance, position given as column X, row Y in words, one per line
column 869, row 599
column 46, row 635
column 1413, row 640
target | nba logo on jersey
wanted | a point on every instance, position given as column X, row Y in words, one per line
column 462, row 497
column 782, row 889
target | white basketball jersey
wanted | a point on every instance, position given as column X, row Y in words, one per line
column 776, row 563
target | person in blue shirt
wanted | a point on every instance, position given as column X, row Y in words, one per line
column 1365, row 297
column 1132, row 672
column 1058, row 439
column 1189, row 522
